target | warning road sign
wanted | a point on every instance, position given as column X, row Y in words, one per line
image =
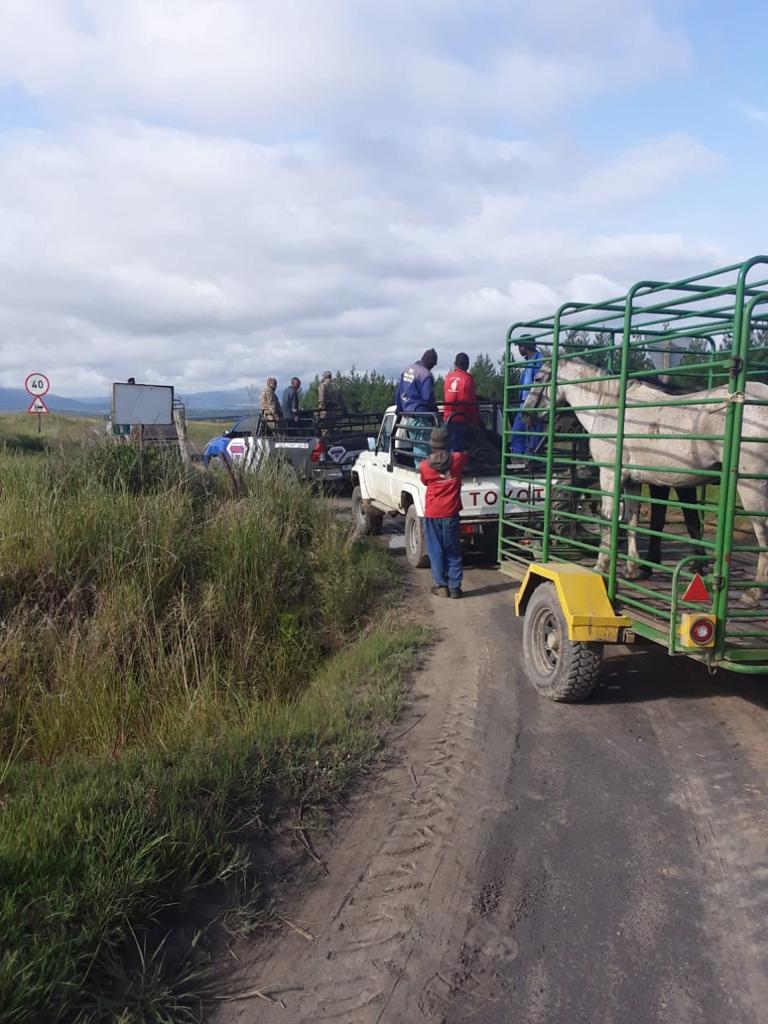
column 38, row 405
column 37, row 384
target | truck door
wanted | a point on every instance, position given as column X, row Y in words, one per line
column 380, row 479
column 241, row 441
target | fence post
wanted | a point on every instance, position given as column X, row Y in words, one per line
column 180, row 421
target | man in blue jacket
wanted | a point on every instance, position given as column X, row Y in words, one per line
column 527, row 436
column 415, row 393
column 415, row 390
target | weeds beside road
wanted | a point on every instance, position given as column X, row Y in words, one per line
column 175, row 666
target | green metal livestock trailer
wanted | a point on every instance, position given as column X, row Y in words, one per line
column 636, row 399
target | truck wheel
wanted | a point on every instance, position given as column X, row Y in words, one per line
column 415, row 543
column 366, row 523
column 560, row 669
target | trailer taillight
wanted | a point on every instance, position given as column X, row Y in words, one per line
column 318, row 453
column 697, row 630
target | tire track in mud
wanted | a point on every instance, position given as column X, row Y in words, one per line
column 397, row 918
column 721, row 787
column 521, row 862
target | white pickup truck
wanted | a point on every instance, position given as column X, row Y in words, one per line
column 386, row 482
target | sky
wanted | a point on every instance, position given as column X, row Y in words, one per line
column 210, row 192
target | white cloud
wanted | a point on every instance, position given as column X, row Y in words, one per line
column 591, row 288
column 647, row 169
column 232, row 189
column 239, row 62
column 207, row 260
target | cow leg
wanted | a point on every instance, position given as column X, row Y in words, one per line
column 657, row 523
column 755, row 499
column 606, row 510
column 632, row 505
column 751, row 598
column 692, row 518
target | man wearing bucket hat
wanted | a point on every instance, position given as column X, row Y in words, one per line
column 526, row 429
column 441, row 473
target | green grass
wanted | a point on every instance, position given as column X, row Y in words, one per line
column 177, row 668
column 18, row 431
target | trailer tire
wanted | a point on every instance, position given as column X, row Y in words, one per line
column 415, row 541
column 560, row 669
column 367, row 523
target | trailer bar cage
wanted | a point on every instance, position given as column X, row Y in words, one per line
column 701, row 345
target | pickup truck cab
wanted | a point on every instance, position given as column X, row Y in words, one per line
column 322, row 451
column 386, row 480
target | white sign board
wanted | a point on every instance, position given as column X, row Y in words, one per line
column 37, row 405
column 37, row 385
column 142, row 404
column 666, row 353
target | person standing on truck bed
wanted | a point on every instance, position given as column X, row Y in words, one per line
column 415, row 393
column 460, row 408
column 330, row 401
column 271, row 413
column 526, row 435
column 292, row 401
column 441, row 473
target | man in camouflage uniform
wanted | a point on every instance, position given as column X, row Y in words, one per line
column 330, row 401
column 271, row 413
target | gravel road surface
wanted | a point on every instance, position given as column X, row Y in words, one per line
column 521, row 862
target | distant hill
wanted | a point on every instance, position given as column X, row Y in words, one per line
column 17, row 400
column 214, row 404
column 200, row 404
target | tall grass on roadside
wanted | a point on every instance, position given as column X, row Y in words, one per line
column 161, row 689
column 134, row 608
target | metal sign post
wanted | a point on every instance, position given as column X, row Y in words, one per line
column 37, row 385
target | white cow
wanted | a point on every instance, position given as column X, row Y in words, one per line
column 676, row 462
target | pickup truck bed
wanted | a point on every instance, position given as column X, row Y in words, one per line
column 319, row 450
column 386, row 482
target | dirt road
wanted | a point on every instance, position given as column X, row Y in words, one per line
column 521, row 861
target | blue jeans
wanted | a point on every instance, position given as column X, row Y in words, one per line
column 529, row 440
column 456, row 433
column 419, row 434
column 444, row 550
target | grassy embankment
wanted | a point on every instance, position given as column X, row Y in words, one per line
column 176, row 668
column 18, row 431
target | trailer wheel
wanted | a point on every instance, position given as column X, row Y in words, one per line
column 415, row 542
column 560, row 669
column 366, row 523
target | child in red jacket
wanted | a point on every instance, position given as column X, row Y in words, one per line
column 441, row 472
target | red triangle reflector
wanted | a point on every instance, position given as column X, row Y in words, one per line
column 696, row 591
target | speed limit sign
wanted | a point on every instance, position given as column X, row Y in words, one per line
column 37, row 385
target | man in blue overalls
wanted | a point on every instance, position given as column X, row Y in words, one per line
column 527, row 436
